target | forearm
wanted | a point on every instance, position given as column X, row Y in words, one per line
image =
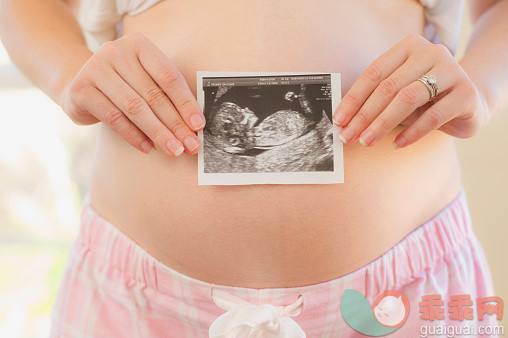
column 486, row 57
column 44, row 40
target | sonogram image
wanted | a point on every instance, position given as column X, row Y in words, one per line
column 268, row 124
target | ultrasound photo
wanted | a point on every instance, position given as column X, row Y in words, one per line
column 269, row 128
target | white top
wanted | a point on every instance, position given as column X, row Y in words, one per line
column 100, row 19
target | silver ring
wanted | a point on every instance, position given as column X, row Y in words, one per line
column 430, row 82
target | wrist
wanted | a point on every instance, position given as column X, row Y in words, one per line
column 62, row 79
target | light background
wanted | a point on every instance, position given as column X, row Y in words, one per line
column 44, row 166
column 484, row 160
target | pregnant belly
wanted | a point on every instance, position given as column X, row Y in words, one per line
column 274, row 235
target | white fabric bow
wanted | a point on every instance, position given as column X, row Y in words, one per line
column 244, row 319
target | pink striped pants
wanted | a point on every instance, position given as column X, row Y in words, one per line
column 113, row 288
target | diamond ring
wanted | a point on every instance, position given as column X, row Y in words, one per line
column 430, row 82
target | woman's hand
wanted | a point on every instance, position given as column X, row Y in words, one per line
column 387, row 94
column 131, row 86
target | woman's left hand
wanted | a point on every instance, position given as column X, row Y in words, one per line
column 388, row 93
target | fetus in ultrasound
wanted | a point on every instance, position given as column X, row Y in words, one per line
column 267, row 128
column 231, row 128
column 279, row 128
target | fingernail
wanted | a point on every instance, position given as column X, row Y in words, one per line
column 399, row 142
column 197, row 121
column 175, row 147
column 190, row 143
column 367, row 137
column 339, row 117
column 146, row 146
column 346, row 134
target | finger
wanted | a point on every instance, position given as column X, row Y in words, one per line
column 169, row 78
column 383, row 95
column 135, row 76
column 138, row 111
column 73, row 105
column 82, row 117
column 103, row 109
column 416, row 114
column 438, row 114
column 379, row 70
column 405, row 103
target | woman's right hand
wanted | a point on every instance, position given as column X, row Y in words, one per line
column 132, row 86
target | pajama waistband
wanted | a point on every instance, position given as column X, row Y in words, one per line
column 422, row 248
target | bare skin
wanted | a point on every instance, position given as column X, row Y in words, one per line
column 267, row 235
column 273, row 236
